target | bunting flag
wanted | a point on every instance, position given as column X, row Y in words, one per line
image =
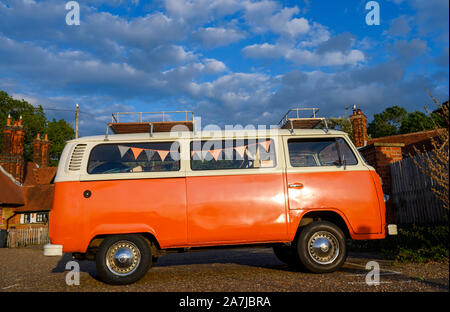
column 249, row 149
column 149, row 153
column 241, row 150
column 136, row 151
column 162, row 154
column 250, row 154
column 123, row 150
column 266, row 145
column 216, row 153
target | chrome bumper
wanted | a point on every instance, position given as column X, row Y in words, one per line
column 53, row 250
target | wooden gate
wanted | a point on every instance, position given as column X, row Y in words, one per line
column 412, row 196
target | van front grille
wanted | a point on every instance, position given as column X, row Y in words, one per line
column 77, row 157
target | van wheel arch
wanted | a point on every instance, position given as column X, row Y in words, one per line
column 329, row 216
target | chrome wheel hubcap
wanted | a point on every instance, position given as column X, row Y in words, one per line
column 323, row 247
column 123, row 258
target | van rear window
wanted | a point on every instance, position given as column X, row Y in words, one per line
column 232, row 154
column 320, row 152
column 134, row 157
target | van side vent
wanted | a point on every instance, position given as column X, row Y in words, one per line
column 77, row 157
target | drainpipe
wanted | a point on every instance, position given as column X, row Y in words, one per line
column 7, row 220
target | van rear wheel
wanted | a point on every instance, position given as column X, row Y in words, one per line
column 123, row 259
column 321, row 247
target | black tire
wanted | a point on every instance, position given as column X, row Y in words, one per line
column 321, row 247
column 287, row 255
column 123, row 259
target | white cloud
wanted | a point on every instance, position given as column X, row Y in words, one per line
column 303, row 56
column 218, row 36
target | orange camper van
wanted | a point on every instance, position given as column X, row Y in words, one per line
column 125, row 199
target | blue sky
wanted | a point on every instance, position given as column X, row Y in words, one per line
column 231, row 62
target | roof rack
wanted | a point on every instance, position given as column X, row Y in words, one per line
column 140, row 122
column 292, row 120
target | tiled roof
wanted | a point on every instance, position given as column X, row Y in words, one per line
column 37, row 197
column 10, row 191
column 408, row 138
column 39, row 176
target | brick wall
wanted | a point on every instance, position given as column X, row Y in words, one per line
column 359, row 128
column 380, row 156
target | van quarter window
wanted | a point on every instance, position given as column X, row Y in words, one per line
column 134, row 157
column 319, row 152
column 232, row 154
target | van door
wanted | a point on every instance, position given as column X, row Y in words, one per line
column 235, row 192
column 317, row 180
column 137, row 187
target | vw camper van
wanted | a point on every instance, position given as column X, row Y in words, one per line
column 123, row 200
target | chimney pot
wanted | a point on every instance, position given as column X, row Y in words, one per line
column 46, row 137
column 38, row 136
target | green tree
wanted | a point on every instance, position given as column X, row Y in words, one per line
column 396, row 120
column 58, row 133
column 34, row 122
column 339, row 123
column 414, row 122
column 387, row 123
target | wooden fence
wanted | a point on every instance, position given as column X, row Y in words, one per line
column 412, row 196
column 27, row 236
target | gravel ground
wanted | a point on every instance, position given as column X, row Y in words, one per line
column 232, row 270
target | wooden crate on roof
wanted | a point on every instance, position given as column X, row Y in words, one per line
column 293, row 119
column 121, row 127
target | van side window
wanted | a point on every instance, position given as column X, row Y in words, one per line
column 134, row 157
column 319, row 152
column 232, row 154
column 349, row 157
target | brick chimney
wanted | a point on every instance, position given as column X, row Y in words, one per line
column 41, row 150
column 359, row 126
column 11, row 158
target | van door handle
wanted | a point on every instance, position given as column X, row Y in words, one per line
column 295, row 185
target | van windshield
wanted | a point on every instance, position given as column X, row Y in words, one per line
column 134, row 157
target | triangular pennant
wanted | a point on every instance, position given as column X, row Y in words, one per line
column 162, row 154
column 216, row 153
column 136, row 151
column 250, row 154
column 149, row 153
column 123, row 150
column 196, row 155
column 241, row 150
column 266, row 145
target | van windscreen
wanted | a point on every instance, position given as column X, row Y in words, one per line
column 134, row 157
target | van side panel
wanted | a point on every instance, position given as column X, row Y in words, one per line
column 157, row 206
column 351, row 194
column 67, row 224
column 236, row 209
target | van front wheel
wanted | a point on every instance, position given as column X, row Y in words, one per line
column 123, row 259
column 321, row 247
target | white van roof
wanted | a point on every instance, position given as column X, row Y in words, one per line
column 208, row 135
